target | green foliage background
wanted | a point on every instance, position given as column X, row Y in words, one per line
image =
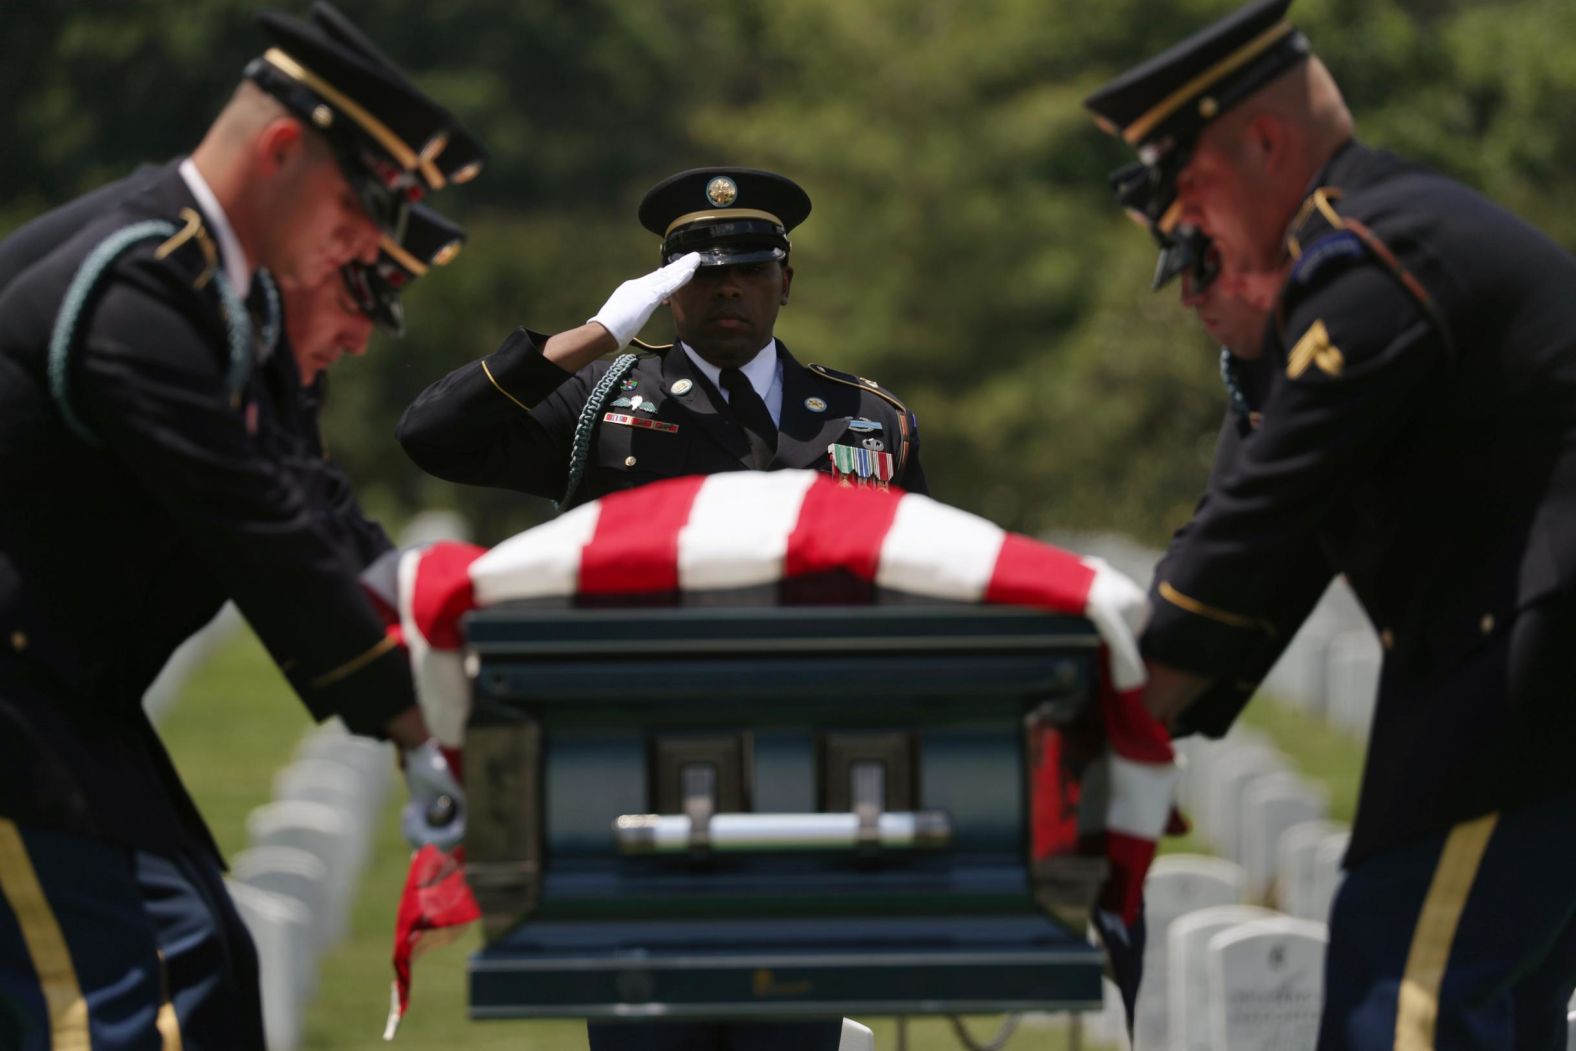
column 962, row 249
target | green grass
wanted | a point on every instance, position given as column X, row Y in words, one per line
column 234, row 726
column 1325, row 754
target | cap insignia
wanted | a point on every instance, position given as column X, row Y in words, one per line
column 722, row 191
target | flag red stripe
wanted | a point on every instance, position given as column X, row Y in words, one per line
column 635, row 549
column 442, row 593
column 1124, row 888
column 840, row 528
column 1029, row 573
column 1132, row 732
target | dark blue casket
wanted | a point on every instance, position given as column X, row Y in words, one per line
column 774, row 811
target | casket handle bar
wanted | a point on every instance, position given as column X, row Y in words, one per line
column 782, row 833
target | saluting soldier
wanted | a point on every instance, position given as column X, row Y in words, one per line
column 546, row 416
column 139, row 497
column 1420, row 433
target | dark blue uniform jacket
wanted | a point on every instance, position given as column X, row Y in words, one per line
column 512, row 423
column 111, row 553
column 1419, row 437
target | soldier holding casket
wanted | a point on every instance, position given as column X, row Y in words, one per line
column 1417, row 436
column 135, row 331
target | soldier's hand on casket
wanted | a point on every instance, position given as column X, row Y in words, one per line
column 632, row 303
column 436, row 811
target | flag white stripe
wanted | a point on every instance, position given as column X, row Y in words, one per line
column 1118, row 608
column 936, row 550
column 1141, row 795
column 738, row 529
column 442, row 689
column 540, row 562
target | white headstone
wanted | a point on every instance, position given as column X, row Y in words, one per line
column 1294, row 867
column 1298, row 677
column 856, row 1037
column 293, row 873
column 319, row 830
column 426, row 527
column 280, row 929
column 342, row 786
column 1177, row 884
column 1233, row 805
column 1108, row 1026
column 1266, row 984
column 1270, row 806
column 1186, row 985
column 374, row 759
column 1222, row 782
column 1327, row 873
column 1353, row 679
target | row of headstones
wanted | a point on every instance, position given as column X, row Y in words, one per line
column 1246, row 801
column 1278, row 847
column 294, row 884
column 1331, row 667
column 1219, row 974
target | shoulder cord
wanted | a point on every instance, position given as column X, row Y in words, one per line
column 1231, row 377
column 269, row 337
column 87, row 280
column 585, row 426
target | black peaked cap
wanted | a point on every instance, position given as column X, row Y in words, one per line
column 729, row 215
column 1171, row 97
column 389, row 135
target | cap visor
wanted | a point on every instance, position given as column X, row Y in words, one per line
column 734, row 256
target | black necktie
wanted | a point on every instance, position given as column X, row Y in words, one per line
column 750, row 411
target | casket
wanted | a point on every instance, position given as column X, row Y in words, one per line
column 778, row 810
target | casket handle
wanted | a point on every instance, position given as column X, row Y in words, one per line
column 781, row 833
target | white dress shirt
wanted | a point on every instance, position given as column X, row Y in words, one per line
column 764, row 371
column 236, row 268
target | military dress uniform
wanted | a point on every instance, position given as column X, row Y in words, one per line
column 511, row 421
column 1420, row 436
column 140, row 496
column 518, row 421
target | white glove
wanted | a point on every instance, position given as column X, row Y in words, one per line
column 631, row 305
column 436, row 811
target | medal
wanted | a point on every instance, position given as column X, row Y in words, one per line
column 628, row 384
column 864, row 467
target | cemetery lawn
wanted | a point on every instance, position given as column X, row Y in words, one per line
column 1324, row 754
column 236, row 724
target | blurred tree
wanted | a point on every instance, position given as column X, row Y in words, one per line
column 963, row 249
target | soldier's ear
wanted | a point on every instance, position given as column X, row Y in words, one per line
column 275, row 145
column 782, row 300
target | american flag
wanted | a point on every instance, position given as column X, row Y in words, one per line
column 748, row 530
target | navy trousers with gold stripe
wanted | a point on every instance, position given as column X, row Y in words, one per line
column 112, row 949
column 1465, row 940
